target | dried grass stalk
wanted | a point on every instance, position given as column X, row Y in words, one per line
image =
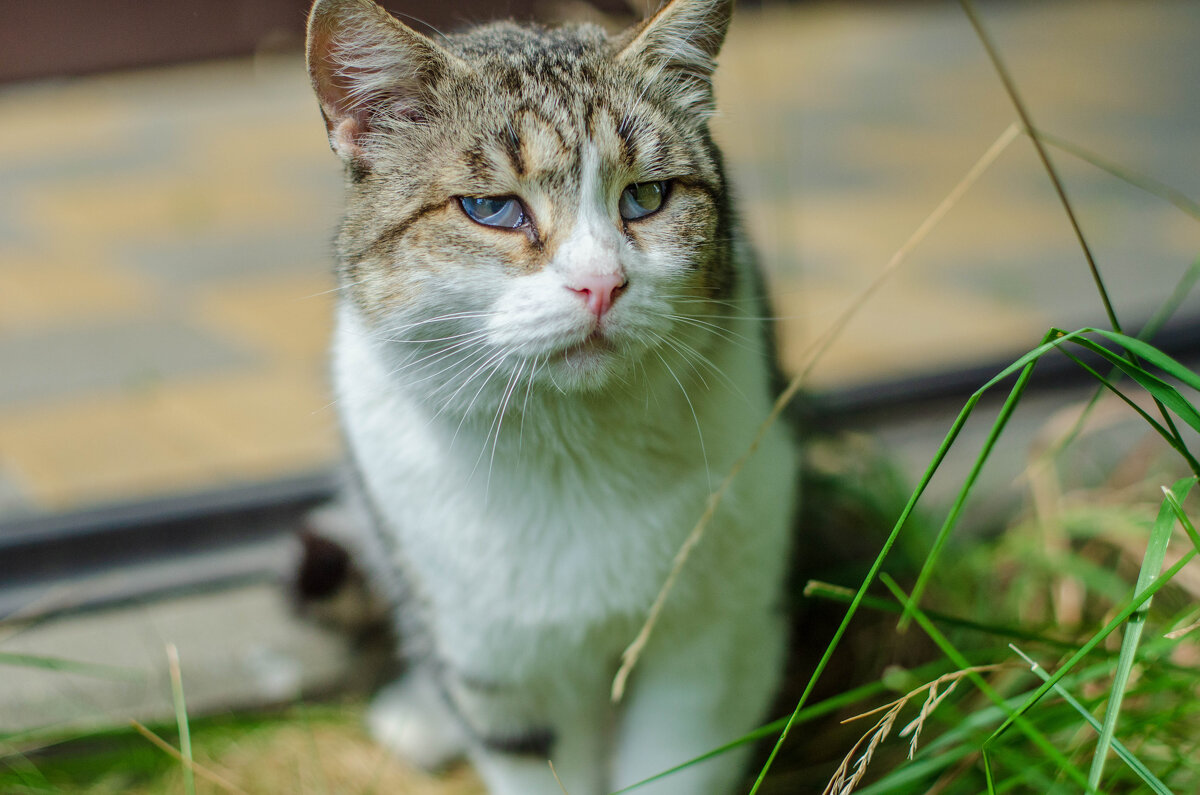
column 845, row 779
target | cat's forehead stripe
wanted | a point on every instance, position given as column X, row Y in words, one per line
column 512, row 147
column 537, row 97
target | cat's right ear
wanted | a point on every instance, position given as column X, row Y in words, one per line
column 368, row 70
column 679, row 46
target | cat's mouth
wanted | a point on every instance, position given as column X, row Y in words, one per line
column 592, row 345
column 593, row 348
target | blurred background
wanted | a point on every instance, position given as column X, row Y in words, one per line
column 168, row 198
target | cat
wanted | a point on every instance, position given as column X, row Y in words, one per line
column 550, row 346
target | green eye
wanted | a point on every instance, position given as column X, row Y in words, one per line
column 641, row 199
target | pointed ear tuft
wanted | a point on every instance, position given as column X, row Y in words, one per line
column 368, row 69
column 679, row 44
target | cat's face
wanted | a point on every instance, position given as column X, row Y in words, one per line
column 528, row 204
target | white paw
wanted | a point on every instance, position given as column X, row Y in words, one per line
column 412, row 720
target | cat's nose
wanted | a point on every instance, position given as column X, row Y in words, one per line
column 598, row 290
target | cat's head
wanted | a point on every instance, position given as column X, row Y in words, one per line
column 523, row 200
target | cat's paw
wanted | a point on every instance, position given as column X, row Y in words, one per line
column 412, row 720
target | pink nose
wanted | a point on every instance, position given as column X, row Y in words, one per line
column 598, row 290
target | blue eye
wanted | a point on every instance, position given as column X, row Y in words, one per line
column 641, row 199
column 505, row 212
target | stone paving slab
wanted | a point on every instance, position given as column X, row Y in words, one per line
column 121, row 355
column 267, row 657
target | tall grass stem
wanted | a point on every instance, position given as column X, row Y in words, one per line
column 1011, row 87
column 1152, row 563
column 181, row 719
column 1148, row 184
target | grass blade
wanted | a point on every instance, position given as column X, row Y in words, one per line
column 1023, row 112
column 1165, row 396
column 1126, row 755
column 99, row 670
column 1159, row 390
column 987, row 771
column 1006, row 411
column 1164, row 313
column 836, row 593
column 1148, row 184
column 1162, row 391
column 1146, row 351
column 181, row 718
column 1152, row 563
column 1188, row 527
column 1107, row 382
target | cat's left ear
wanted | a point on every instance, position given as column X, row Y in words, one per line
column 369, row 69
column 679, row 44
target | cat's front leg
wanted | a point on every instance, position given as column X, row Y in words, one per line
column 515, row 730
column 576, row 748
column 704, row 684
column 412, row 718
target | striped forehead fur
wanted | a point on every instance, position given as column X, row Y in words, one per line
column 397, row 76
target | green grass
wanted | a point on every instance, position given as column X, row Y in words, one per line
column 1045, row 744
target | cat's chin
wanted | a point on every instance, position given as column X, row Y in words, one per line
column 594, row 348
column 585, row 366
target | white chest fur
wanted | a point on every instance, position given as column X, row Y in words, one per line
column 570, row 513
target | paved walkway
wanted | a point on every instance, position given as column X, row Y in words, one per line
column 164, row 235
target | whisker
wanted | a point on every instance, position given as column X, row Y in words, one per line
column 384, row 333
column 738, row 305
column 695, row 417
column 431, row 340
column 732, row 337
column 525, row 403
column 338, row 288
column 410, row 324
column 495, row 362
column 439, row 354
column 672, row 344
column 498, row 422
column 649, row 392
column 688, row 352
column 490, row 362
column 454, row 362
column 450, row 381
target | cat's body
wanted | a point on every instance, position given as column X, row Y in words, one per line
column 549, row 350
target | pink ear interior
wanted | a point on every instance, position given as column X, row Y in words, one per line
column 345, row 119
column 355, row 84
